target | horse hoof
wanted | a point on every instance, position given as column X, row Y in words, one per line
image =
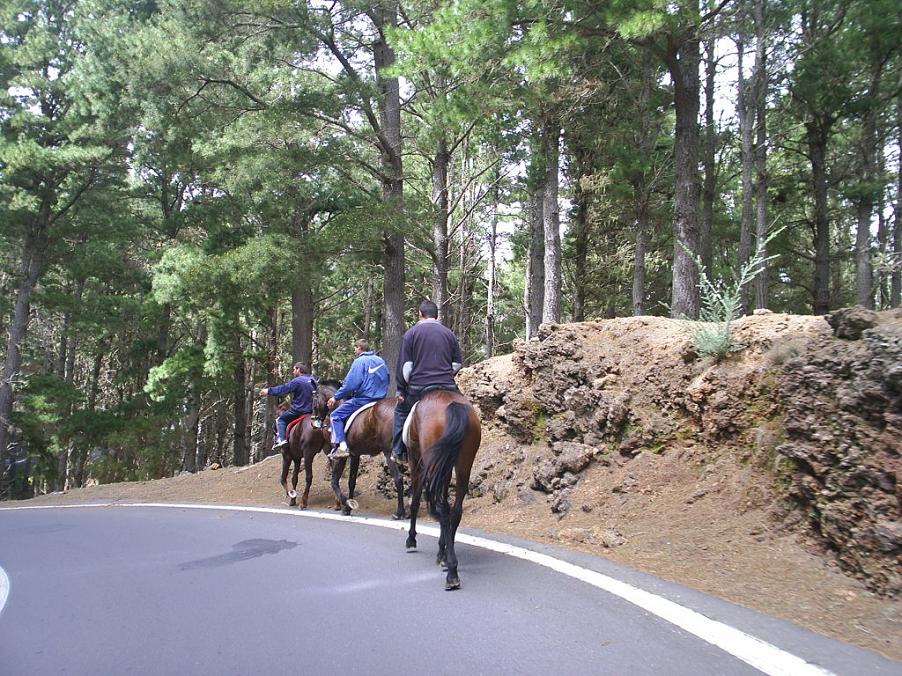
column 451, row 585
column 353, row 504
column 293, row 503
column 411, row 545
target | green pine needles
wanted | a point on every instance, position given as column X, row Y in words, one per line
column 721, row 304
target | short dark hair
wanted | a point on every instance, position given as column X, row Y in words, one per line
column 429, row 309
column 301, row 366
column 363, row 344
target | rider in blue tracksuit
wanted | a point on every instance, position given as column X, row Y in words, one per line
column 367, row 380
column 301, row 389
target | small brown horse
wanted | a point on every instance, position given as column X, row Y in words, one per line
column 304, row 442
column 445, row 434
column 370, row 434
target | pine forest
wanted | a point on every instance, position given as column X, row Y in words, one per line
column 195, row 194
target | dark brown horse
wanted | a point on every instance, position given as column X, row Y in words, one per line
column 444, row 435
column 370, row 434
column 304, row 442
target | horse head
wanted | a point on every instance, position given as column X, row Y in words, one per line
column 324, row 392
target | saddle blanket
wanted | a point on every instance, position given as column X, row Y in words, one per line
column 294, row 422
column 358, row 412
column 405, row 433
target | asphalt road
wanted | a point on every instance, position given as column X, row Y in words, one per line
column 148, row 590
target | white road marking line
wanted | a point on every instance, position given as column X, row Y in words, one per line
column 765, row 657
column 4, row 589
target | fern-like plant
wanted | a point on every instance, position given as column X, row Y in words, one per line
column 721, row 304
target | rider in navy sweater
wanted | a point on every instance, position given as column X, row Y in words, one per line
column 301, row 388
column 430, row 357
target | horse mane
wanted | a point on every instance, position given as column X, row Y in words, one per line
column 335, row 384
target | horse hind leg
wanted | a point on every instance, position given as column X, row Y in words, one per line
column 338, row 468
column 452, row 581
column 283, row 479
column 442, row 514
column 308, row 479
column 351, row 504
column 400, row 513
column 294, row 482
column 416, row 491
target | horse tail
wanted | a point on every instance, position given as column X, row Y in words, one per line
column 445, row 451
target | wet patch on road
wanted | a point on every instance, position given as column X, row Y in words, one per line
column 242, row 551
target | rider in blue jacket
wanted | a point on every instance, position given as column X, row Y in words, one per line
column 301, row 389
column 367, row 380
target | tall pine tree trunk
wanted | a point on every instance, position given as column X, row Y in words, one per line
column 648, row 132
column 386, row 18
column 272, row 377
column 863, row 282
column 746, row 110
column 302, row 306
column 463, row 290
column 34, row 253
column 709, row 186
column 895, row 294
column 580, row 250
column 551, row 307
column 881, row 277
column 761, row 149
column 682, row 60
column 865, row 206
column 492, row 268
column 817, row 151
column 189, row 426
column 535, row 262
column 440, row 228
column 239, row 409
column 368, row 308
column 66, row 370
column 641, row 245
column 302, row 320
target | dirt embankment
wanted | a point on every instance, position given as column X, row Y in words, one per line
column 769, row 479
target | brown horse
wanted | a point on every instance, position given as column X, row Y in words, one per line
column 444, row 435
column 304, row 442
column 370, row 434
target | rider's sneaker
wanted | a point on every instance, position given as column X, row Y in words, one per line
column 279, row 445
column 317, row 423
column 399, row 456
column 340, row 451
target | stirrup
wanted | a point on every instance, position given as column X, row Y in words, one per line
column 339, row 452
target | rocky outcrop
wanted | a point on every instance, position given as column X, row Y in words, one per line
column 816, row 412
column 842, row 399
